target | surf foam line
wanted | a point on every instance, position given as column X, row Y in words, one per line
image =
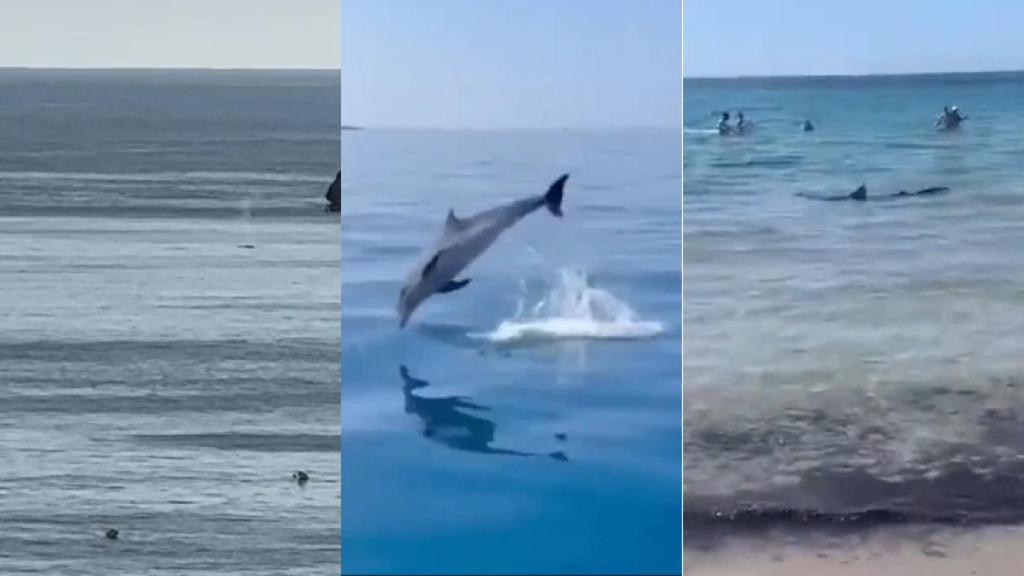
column 573, row 310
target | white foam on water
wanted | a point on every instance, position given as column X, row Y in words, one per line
column 700, row 131
column 573, row 310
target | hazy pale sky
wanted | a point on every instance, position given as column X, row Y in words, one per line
column 801, row 37
column 511, row 63
column 170, row 33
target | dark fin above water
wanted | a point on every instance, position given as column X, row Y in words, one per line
column 452, row 286
column 860, row 193
column 333, row 194
column 553, row 197
column 452, row 224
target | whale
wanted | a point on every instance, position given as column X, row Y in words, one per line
column 861, row 194
column 462, row 241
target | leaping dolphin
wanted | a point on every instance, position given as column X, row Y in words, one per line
column 463, row 240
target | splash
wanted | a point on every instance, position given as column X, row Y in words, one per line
column 574, row 310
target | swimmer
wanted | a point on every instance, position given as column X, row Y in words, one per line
column 723, row 124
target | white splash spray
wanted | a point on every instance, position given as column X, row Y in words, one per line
column 574, row 310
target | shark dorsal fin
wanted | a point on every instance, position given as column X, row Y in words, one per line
column 453, row 224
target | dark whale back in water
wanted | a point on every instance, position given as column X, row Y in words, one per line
column 334, row 194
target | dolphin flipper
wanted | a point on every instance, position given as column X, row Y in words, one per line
column 452, row 286
column 431, row 265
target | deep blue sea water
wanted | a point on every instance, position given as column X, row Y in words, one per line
column 472, row 449
column 853, row 364
column 168, row 322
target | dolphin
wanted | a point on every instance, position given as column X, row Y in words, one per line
column 861, row 194
column 462, row 241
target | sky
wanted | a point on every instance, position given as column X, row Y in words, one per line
column 814, row 37
column 520, row 64
column 178, row 33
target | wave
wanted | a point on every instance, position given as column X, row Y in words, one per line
column 856, row 500
column 254, row 442
column 782, row 161
column 938, row 454
column 574, row 310
column 167, row 176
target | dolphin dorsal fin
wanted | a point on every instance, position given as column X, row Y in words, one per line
column 453, row 224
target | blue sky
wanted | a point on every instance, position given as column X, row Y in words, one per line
column 511, row 63
column 178, row 33
column 799, row 37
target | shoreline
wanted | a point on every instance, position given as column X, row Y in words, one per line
column 984, row 551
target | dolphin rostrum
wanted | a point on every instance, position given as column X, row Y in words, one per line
column 463, row 240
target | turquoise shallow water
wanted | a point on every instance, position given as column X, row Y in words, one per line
column 466, row 452
column 853, row 363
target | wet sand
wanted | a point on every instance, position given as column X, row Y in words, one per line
column 978, row 552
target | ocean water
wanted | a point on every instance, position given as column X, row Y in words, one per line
column 530, row 422
column 169, row 322
column 853, row 365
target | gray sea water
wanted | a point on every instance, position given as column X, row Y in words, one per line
column 168, row 322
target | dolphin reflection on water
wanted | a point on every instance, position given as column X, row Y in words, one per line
column 446, row 421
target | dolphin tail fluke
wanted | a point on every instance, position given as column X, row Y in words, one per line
column 553, row 197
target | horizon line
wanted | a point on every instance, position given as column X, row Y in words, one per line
column 850, row 75
column 176, row 67
column 364, row 127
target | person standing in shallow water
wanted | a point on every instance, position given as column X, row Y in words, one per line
column 743, row 126
column 723, row 124
column 950, row 118
column 334, row 195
